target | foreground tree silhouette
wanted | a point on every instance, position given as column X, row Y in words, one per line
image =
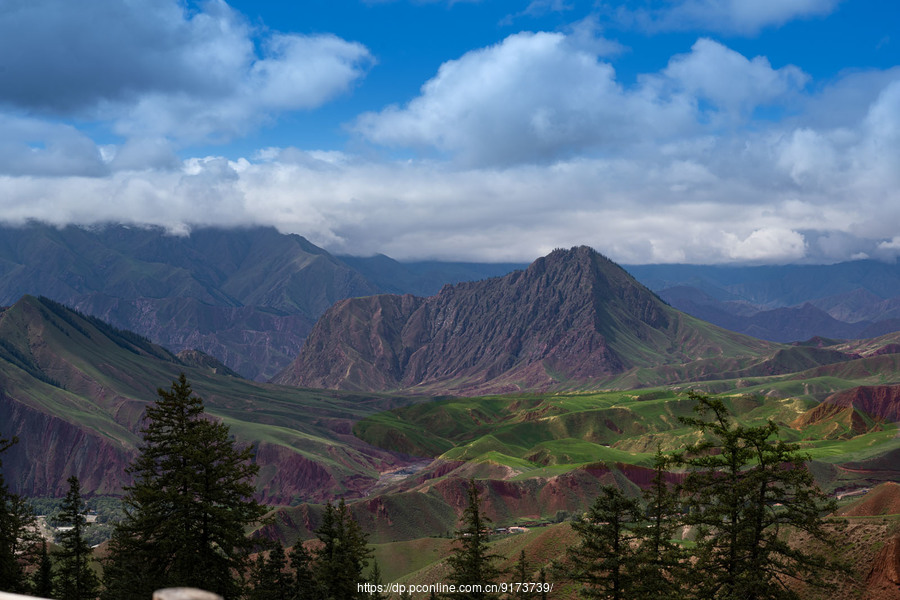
column 16, row 534
column 745, row 492
column 661, row 570
column 472, row 563
column 42, row 580
column 271, row 580
column 522, row 574
column 190, row 505
column 340, row 560
column 746, row 489
column 304, row 585
column 605, row 560
column 75, row 579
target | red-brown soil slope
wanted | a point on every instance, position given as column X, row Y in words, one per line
column 882, row 500
column 854, row 411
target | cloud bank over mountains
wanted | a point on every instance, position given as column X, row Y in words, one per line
column 507, row 151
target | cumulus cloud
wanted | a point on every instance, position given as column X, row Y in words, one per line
column 34, row 147
column 671, row 205
column 713, row 72
column 543, row 96
column 532, row 97
column 745, row 17
column 156, row 69
column 547, row 148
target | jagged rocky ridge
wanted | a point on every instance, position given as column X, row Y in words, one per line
column 572, row 318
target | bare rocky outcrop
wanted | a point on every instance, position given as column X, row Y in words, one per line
column 886, row 566
column 52, row 448
column 572, row 317
column 855, row 411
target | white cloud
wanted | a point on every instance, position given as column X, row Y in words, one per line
column 772, row 244
column 305, row 72
column 745, row 17
column 155, row 68
column 733, row 83
column 662, row 207
column 547, row 149
column 539, row 97
column 533, row 97
column 35, row 147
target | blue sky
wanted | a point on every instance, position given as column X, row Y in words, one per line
column 700, row 131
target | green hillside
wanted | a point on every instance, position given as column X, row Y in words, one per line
column 74, row 390
column 530, row 433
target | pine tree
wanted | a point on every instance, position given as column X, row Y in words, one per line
column 270, row 579
column 17, row 538
column 521, row 577
column 375, row 580
column 190, row 504
column 343, row 555
column 471, row 562
column 303, row 585
column 42, row 581
column 745, row 489
column 605, row 559
column 75, row 579
column 661, row 572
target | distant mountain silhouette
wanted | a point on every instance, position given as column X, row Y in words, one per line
column 784, row 303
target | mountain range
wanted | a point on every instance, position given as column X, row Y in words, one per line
column 386, row 404
column 250, row 296
column 784, row 303
column 247, row 296
column 73, row 389
column 571, row 319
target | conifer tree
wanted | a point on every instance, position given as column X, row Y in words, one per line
column 375, row 580
column 542, row 583
column 190, row 504
column 521, row 577
column 660, row 562
column 605, row 559
column 16, row 533
column 303, row 585
column 745, row 489
column 75, row 578
column 42, row 581
column 271, row 581
column 343, row 555
column 471, row 562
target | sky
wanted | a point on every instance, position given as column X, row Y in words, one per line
column 655, row 131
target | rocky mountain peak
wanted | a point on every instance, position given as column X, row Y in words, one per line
column 571, row 317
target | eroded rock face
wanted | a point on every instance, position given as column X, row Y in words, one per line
column 886, row 566
column 51, row 449
column 845, row 410
column 878, row 401
column 571, row 316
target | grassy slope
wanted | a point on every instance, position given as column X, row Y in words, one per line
column 99, row 380
column 566, row 431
